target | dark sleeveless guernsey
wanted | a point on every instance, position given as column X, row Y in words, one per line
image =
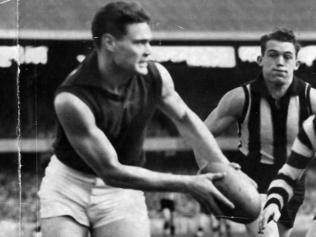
column 123, row 119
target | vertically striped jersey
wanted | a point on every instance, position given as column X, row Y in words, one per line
column 268, row 127
column 281, row 188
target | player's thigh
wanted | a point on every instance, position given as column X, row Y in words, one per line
column 123, row 228
column 62, row 226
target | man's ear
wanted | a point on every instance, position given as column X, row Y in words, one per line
column 259, row 60
column 108, row 41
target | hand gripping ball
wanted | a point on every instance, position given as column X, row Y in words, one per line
column 238, row 188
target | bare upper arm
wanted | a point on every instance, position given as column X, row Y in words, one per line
column 74, row 115
column 82, row 132
column 227, row 112
column 171, row 103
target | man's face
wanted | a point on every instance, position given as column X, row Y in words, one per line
column 278, row 62
column 131, row 52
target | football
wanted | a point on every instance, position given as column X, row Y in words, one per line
column 238, row 188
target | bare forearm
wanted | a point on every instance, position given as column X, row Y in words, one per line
column 105, row 163
column 100, row 155
column 140, row 178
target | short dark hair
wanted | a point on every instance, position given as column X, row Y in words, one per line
column 280, row 34
column 113, row 18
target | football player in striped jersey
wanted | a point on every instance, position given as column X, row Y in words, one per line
column 281, row 189
column 269, row 112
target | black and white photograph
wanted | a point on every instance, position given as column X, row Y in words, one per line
column 156, row 118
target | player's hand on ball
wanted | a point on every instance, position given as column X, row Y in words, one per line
column 239, row 189
column 234, row 165
column 270, row 213
column 204, row 191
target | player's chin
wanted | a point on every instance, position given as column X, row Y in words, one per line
column 280, row 81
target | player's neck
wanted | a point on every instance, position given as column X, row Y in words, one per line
column 114, row 78
column 276, row 90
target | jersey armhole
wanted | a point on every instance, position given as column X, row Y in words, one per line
column 246, row 104
column 155, row 74
column 85, row 99
column 308, row 99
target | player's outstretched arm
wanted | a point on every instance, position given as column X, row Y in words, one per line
column 190, row 126
column 97, row 151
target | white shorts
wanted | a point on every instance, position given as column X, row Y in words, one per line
column 86, row 198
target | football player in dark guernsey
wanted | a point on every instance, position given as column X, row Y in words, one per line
column 94, row 182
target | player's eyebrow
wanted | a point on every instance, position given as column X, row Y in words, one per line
column 278, row 51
